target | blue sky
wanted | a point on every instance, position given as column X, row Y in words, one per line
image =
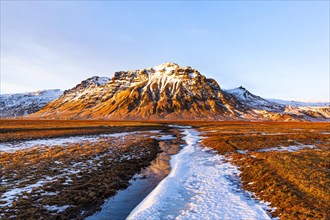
column 276, row 49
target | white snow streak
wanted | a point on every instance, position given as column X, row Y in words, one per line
column 201, row 185
column 20, row 145
column 292, row 148
column 56, row 208
column 11, row 195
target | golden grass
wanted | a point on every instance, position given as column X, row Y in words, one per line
column 297, row 183
column 35, row 124
column 106, row 172
column 89, row 187
column 32, row 129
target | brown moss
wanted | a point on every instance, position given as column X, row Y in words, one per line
column 32, row 129
column 87, row 189
column 297, row 183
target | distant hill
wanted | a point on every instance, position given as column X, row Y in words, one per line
column 300, row 104
column 287, row 110
column 20, row 104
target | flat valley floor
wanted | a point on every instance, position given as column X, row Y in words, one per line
column 61, row 169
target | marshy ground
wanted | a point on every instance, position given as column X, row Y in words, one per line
column 70, row 181
column 286, row 164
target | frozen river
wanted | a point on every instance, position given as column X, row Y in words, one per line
column 201, row 185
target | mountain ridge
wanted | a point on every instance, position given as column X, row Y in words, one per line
column 20, row 104
column 164, row 91
column 270, row 108
column 169, row 92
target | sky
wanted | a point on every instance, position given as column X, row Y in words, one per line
column 275, row 49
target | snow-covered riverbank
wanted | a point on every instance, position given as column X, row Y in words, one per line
column 64, row 141
column 72, row 179
column 201, row 185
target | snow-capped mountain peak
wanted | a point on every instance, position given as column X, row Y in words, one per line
column 171, row 92
column 163, row 91
column 96, row 80
column 254, row 101
column 243, row 94
column 304, row 111
column 166, row 66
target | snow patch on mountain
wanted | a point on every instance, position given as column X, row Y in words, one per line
column 299, row 104
column 274, row 109
column 254, row 101
column 166, row 66
column 101, row 80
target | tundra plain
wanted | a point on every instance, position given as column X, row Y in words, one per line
column 284, row 163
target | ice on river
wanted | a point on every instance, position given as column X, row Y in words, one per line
column 201, row 185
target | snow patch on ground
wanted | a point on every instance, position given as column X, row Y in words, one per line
column 241, row 151
column 201, row 185
column 64, row 141
column 164, row 137
column 292, row 148
column 20, row 145
column 56, row 208
column 279, row 133
column 179, row 126
column 8, row 197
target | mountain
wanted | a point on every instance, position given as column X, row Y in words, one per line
column 20, row 104
column 299, row 104
column 168, row 92
column 272, row 108
column 254, row 101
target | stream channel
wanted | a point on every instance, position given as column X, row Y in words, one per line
column 119, row 206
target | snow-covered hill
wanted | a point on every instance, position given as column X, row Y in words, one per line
column 272, row 108
column 20, row 104
column 254, row 101
column 299, row 104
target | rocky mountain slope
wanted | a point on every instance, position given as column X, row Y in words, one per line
column 254, row 101
column 13, row 105
column 275, row 109
column 167, row 92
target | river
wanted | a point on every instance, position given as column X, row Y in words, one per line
column 201, row 184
